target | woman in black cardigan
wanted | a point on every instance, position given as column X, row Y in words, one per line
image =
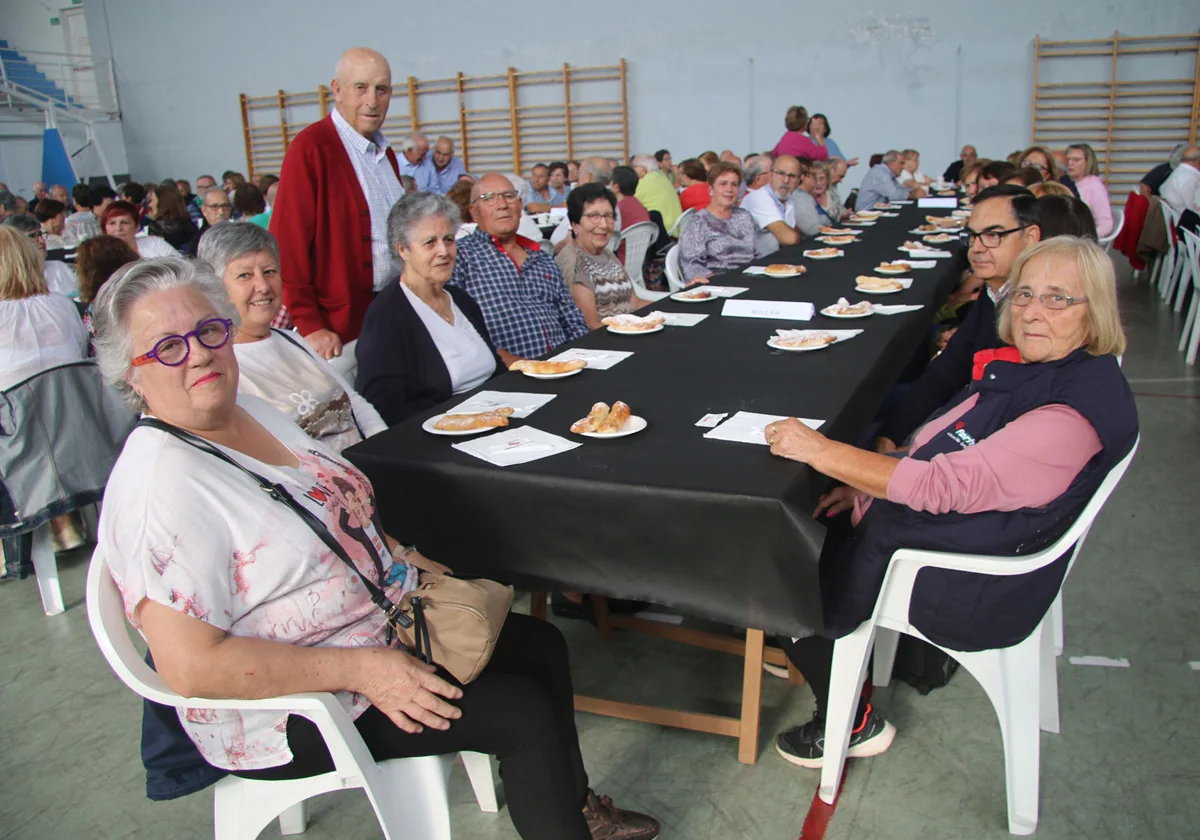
column 422, row 341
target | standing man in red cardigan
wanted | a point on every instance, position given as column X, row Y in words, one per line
column 339, row 181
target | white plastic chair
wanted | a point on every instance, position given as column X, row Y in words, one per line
column 1021, row 681
column 1118, row 222
column 1190, row 339
column 637, row 239
column 1168, row 265
column 1184, row 273
column 408, row 794
column 675, row 280
column 681, row 224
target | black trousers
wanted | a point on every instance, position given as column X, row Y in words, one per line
column 813, row 655
column 520, row 709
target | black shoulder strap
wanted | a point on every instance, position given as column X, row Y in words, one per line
column 280, row 494
column 296, row 343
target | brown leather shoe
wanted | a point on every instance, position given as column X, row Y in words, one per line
column 608, row 822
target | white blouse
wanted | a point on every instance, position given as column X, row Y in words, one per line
column 149, row 247
column 36, row 333
column 307, row 389
column 467, row 356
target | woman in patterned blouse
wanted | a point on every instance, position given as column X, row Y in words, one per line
column 597, row 279
column 721, row 236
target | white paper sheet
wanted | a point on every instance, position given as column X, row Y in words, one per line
column 922, row 263
column 748, row 426
column 522, row 404
column 596, row 359
column 894, row 309
column 925, row 252
column 516, row 446
column 682, row 319
column 780, row 310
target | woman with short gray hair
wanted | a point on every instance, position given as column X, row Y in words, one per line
column 276, row 365
column 422, row 341
column 239, row 597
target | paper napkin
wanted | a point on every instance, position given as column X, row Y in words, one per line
column 596, row 359
column 748, row 426
column 516, row 446
column 522, row 404
column 894, row 308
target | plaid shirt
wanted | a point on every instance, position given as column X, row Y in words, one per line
column 528, row 310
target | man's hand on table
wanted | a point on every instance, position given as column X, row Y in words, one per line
column 325, row 342
column 407, row 690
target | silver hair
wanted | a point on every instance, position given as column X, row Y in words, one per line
column 891, row 156
column 756, row 165
column 411, row 210
column 599, row 168
column 1177, row 155
column 412, row 141
column 205, row 192
column 24, row 222
column 520, row 185
column 646, row 161
column 223, row 243
column 116, row 298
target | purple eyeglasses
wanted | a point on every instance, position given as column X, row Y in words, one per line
column 173, row 350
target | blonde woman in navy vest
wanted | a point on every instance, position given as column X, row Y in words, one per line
column 1003, row 469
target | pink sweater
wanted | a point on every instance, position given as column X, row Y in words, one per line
column 796, row 144
column 1028, row 463
column 1095, row 196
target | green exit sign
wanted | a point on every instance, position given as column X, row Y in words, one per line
column 54, row 21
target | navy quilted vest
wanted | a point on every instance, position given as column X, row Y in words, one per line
column 967, row 611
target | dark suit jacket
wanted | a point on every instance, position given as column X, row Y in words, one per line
column 400, row 369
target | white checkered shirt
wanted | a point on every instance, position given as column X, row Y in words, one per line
column 380, row 187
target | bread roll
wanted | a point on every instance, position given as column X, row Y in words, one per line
column 591, row 423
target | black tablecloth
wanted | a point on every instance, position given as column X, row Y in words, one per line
column 710, row 528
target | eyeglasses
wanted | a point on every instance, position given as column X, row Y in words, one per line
column 491, row 197
column 788, row 176
column 225, row 206
column 990, row 238
column 36, row 234
column 1050, row 300
column 174, row 350
column 597, row 218
column 1040, row 167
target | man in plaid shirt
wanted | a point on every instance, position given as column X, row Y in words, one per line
column 525, row 302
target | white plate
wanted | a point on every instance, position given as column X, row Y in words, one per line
column 635, row 332
column 428, row 426
column 857, row 223
column 845, row 232
column 552, row 375
column 935, row 239
column 890, row 270
column 680, row 296
column 925, row 232
column 830, row 314
column 828, row 240
column 632, row 426
column 810, row 256
column 771, row 343
column 876, row 291
column 783, row 276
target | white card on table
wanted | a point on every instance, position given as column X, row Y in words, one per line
column 522, row 404
column 779, row 310
column 894, row 308
column 950, row 202
column 708, row 421
column 596, row 359
column 681, row 319
column 516, row 446
column 922, row 263
column 749, row 426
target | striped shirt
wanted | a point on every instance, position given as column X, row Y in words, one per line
column 381, row 188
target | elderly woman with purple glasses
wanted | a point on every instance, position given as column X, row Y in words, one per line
column 238, row 597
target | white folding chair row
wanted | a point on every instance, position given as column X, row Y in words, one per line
column 1170, row 265
column 637, row 239
column 681, row 224
column 408, row 794
column 674, row 271
column 1118, row 223
column 1189, row 341
column 1021, row 681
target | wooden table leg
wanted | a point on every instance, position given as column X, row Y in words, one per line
column 537, row 605
column 600, row 610
column 752, row 676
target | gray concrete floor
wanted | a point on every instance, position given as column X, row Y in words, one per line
column 1124, row 766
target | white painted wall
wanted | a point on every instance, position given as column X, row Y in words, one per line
column 703, row 74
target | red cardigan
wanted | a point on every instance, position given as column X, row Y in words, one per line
column 323, row 226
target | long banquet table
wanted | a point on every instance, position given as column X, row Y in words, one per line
column 709, row 528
